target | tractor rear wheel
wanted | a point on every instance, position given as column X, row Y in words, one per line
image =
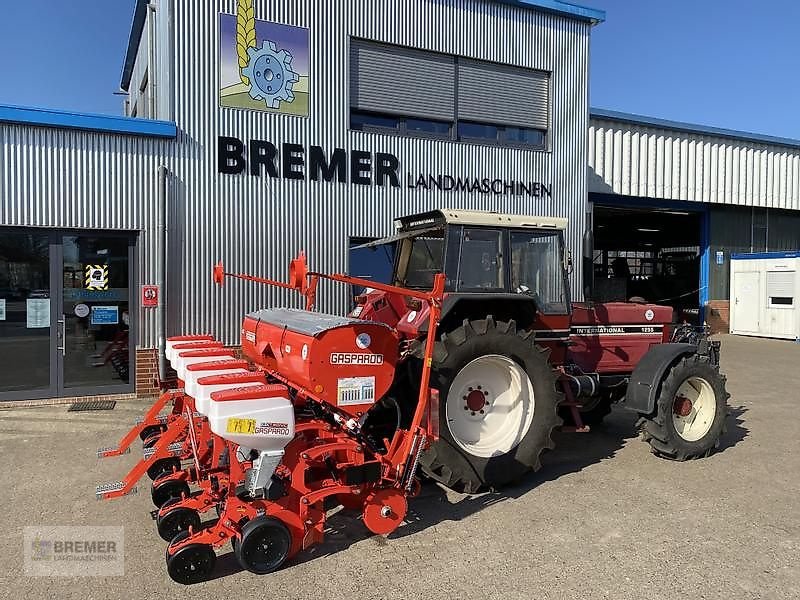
column 690, row 412
column 498, row 406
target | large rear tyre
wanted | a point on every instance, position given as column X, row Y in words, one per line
column 498, row 406
column 691, row 410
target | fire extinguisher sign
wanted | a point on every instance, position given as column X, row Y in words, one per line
column 150, row 295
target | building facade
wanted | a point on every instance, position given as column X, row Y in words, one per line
column 278, row 127
column 254, row 129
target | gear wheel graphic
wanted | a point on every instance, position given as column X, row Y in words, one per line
column 270, row 73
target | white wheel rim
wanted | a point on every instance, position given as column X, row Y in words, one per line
column 694, row 408
column 508, row 405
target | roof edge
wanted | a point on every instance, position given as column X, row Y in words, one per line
column 613, row 115
column 560, row 7
column 135, row 38
column 62, row 119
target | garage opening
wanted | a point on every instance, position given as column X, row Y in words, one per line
column 649, row 255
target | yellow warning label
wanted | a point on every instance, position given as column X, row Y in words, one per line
column 235, row 425
column 96, row 277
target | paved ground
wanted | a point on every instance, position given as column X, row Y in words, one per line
column 604, row 519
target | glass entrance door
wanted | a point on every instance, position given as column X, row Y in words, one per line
column 27, row 329
column 95, row 314
column 65, row 314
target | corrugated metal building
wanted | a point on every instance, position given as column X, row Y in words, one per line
column 282, row 126
column 257, row 128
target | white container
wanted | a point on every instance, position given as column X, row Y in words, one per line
column 765, row 294
column 183, row 339
column 225, row 381
column 261, row 418
column 208, row 369
column 183, row 359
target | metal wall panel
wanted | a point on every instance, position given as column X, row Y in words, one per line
column 654, row 162
column 57, row 178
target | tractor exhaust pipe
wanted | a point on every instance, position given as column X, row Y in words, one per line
column 588, row 260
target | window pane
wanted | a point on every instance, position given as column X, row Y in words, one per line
column 523, row 135
column 477, row 131
column 425, row 260
column 481, row 264
column 366, row 121
column 441, row 128
column 536, row 270
column 782, row 300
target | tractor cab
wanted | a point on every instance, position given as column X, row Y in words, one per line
column 510, row 266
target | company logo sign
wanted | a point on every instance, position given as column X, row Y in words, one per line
column 263, row 65
column 358, row 167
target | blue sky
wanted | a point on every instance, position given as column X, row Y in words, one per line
column 726, row 63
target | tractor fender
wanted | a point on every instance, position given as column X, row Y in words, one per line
column 648, row 374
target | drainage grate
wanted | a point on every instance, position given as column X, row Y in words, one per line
column 92, row 405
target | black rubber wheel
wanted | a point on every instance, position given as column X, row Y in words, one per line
column 151, row 440
column 449, row 462
column 167, row 490
column 265, row 545
column 163, row 466
column 151, row 430
column 191, row 564
column 661, row 429
column 173, row 521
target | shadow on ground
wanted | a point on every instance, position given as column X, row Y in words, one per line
column 574, row 452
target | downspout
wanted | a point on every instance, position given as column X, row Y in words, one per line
column 161, row 273
column 151, row 60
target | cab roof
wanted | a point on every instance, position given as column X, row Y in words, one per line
column 478, row 217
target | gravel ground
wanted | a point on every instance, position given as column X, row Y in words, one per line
column 603, row 519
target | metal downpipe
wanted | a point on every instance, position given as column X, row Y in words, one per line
column 161, row 272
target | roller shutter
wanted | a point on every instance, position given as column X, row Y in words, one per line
column 502, row 94
column 401, row 81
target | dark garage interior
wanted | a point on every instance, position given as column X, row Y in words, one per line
column 648, row 254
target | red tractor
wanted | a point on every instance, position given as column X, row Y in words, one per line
column 513, row 354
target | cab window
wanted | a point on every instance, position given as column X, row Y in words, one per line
column 537, row 270
column 480, row 265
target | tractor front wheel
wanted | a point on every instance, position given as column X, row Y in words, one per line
column 690, row 412
column 498, row 406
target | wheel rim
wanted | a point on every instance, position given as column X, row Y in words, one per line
column 265, row 550
column 506, row 394
column 694, row 408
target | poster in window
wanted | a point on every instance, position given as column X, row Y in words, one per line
column 263, row 65
column 37, row 313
